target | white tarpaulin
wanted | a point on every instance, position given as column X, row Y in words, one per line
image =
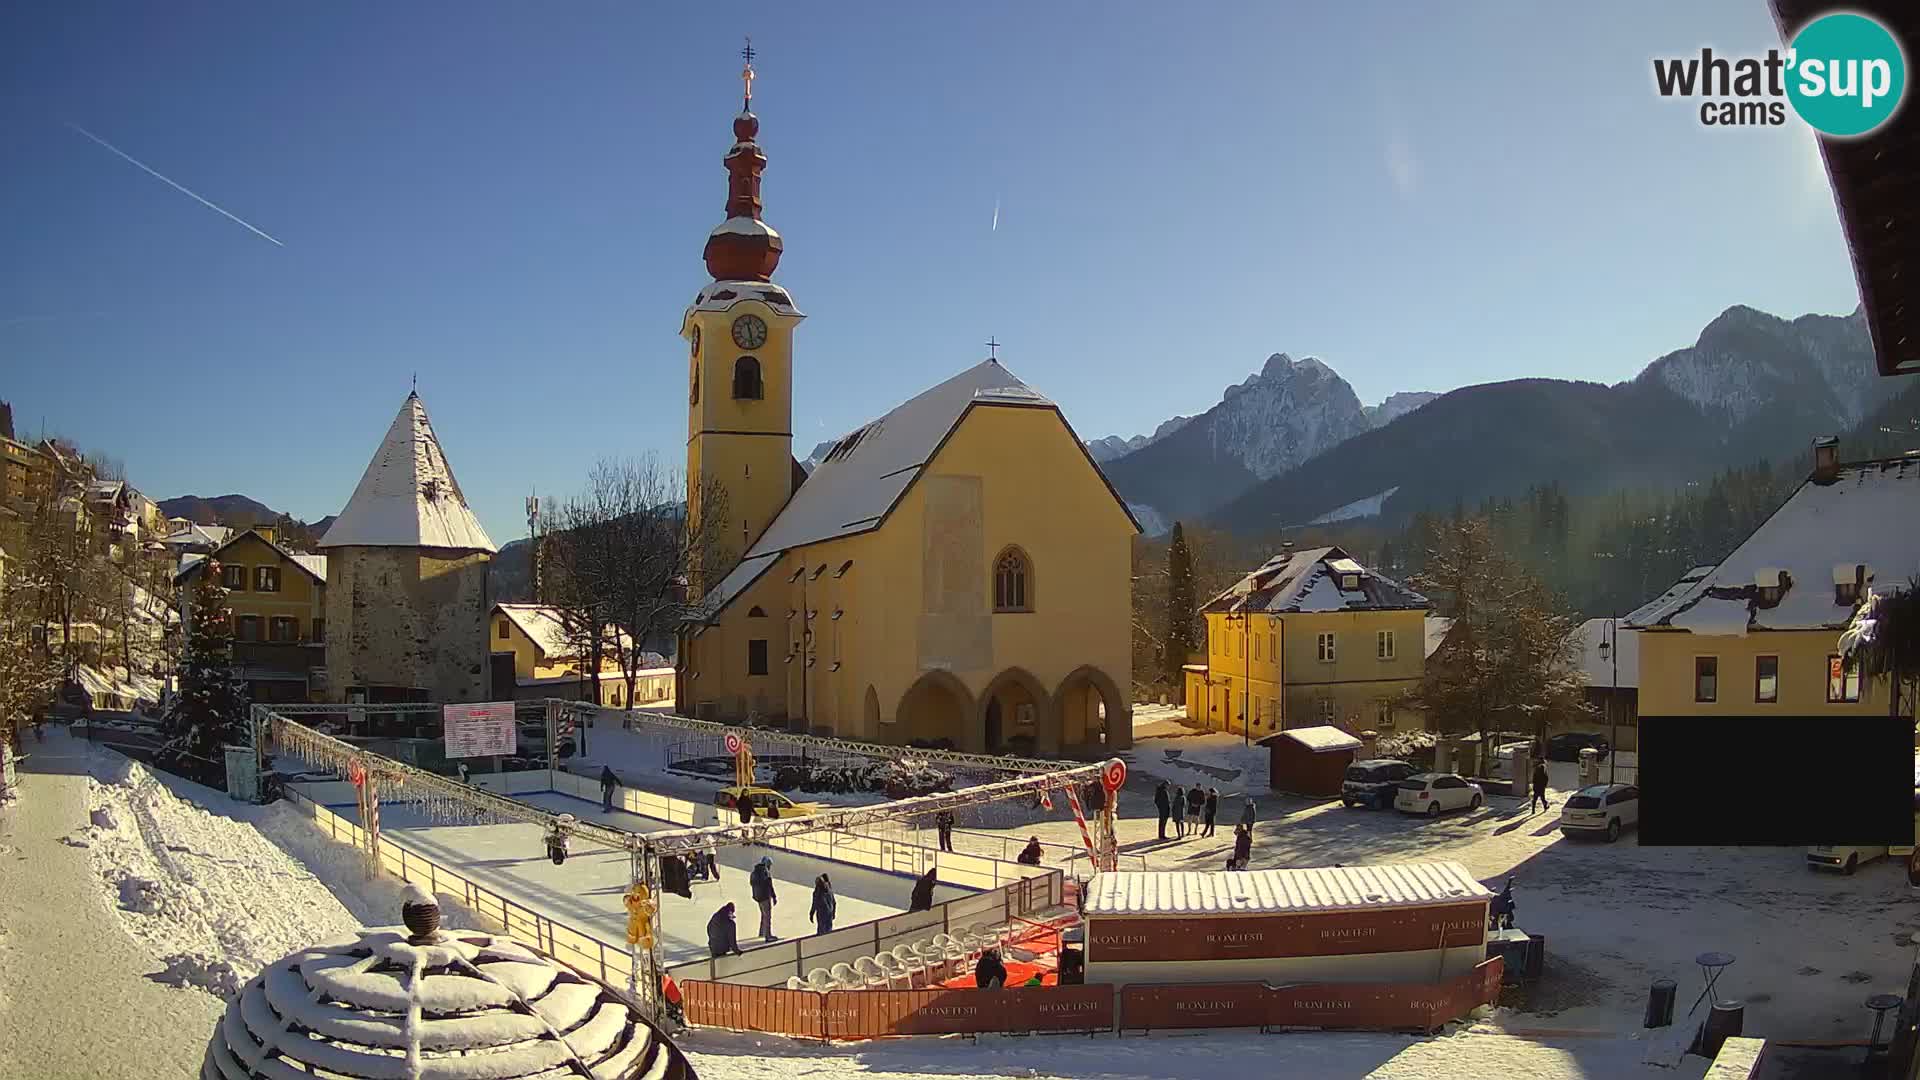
column 480, row 730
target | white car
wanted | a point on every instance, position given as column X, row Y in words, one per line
column 1433, row 794
column 1601, row 809
column 1845, row 858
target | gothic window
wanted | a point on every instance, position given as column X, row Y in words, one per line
column 693, row 396
column 1012, row 581
column 746, row 379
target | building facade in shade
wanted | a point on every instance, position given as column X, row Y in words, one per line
column 1310, row 638
column 954, row 572
column 1759, row 635
column 408, row 592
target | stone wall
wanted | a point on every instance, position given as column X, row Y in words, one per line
column 405, row 617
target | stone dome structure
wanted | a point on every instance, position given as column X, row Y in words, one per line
column 424, row 1004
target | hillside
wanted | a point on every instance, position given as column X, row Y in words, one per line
column 219, row 510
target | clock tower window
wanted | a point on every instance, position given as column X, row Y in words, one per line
column 746, row 379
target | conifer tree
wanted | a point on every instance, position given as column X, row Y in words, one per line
column 209, row 712
column 1182, row 636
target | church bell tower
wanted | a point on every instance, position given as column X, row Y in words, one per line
column 739, row 334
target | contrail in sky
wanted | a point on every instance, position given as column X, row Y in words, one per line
column 996, row 216
column 143, row 167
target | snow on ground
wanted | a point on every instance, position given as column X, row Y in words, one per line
column 586, row 891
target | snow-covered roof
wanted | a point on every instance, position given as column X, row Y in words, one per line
column 1687, row 581
column 744, row 226
column 1320, row 739
column 744, row 573
column 1437, row 628
column 1867, row 516
column 190, row 534
column 1308, row 581
column 1600, row 671
column 315, row 565
column 1340, row 888
column 721, row 295
column 408, row 496
column 543, row 625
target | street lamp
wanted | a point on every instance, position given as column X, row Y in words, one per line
column 1610, row 651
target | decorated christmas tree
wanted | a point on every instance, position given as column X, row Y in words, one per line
column 209, row 712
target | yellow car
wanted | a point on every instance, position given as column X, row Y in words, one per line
column 767, row 803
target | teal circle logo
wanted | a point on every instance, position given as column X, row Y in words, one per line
column 1846, row 74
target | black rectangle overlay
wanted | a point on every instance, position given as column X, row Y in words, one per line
column 1724, row 781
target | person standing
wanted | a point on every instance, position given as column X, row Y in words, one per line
column 943, row 824
column 1163, row 804
column 823, row 908
column 723, row 936
column 922, row 898
column 608, row 781
column 1246, row 815
column 746, row 808
column 762, row 883
column 1179, row 812
column 1196, row 803
column 1242, row 846
column 1539, row 787
column 1212, row 808
column 713, row 858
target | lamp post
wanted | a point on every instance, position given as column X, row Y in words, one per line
column 1246, row 681
column 1610, row 650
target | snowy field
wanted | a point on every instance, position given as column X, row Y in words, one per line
column 586, row 891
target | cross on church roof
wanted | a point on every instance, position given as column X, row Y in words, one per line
column 993, row 350
column 746, row 73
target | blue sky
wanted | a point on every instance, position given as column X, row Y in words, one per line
column 510, row 201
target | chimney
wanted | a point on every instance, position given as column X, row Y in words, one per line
column 1826, row 459
column 268, row 533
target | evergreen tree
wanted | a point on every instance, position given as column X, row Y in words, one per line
column 1182, row 630
column 209, row 712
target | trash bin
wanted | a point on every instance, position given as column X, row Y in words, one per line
column 1660, row 1003
column 1536, row 955
column 1725, row 1021
column 1589, row 765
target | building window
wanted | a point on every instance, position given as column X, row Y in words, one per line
column 1843, row 683
column 693, row 395
column 1766, row 679
column 283, row 628
column 247, row 628
column 319, row 630
column 1383, row 644
column 757, row 656
column 746, row 379
column 1706, row 678
column 1323, row 708
column 267, row 579
column 1256, row 647
column 1012, row 581
column 500, row 630
column 1383, row 713
column 1273, row 644
column 756, row 612
column 234, row 577
column 1324, row 647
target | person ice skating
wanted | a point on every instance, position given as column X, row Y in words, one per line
column 1212, row 808
column 1246, row 815
column 1164, row 804
column 723, row 936
column 608, row 781
column 1539, row 787
column 1196, row 803
column 1030, row 855
column 746, row 809
column 761, row 881
column 990, row 973
column 943, row 823
column 713, row 859
column 922, row 898
column 1242, row 846
column 1179, row 812
column 823, row 907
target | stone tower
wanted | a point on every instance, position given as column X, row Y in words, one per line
column 407, row 578
column 739, row 333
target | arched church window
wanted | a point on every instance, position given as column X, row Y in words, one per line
column 756, row 612
column 1012, row 581
column 746, row 379
column 693, row 395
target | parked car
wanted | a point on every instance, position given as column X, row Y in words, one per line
column 1372, row 783
column 767, row 803
column 1601, row 809
column 1433, row 794
column 1845, row 858
column 1567, row 745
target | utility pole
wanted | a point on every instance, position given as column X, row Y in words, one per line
column 533, row 539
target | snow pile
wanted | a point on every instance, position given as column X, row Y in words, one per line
column 1217, row 757
column 216, row 977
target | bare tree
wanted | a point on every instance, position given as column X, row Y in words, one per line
column 621, row 558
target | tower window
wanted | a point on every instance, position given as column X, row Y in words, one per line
column 693, row 395
column 746, row 379
column 1012, row 581
column 757, row 656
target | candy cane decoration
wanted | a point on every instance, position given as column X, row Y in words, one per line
column 1080, row 817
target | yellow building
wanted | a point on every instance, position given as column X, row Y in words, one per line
column 953, row 572
column 1310, row 638
column 547, row 664
column 1759, row 634
column 278, row 602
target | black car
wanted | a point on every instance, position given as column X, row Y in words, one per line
column 1373, row 783
column 1567, row 745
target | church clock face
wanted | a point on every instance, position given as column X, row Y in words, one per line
column 749, row 332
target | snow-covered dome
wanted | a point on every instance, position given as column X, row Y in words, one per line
column 423, row 1004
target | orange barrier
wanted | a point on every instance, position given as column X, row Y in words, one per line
column 872, row 1014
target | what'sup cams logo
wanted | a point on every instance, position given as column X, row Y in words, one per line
column 1843, row 73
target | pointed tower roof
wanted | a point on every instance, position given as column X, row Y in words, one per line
column 408, row 496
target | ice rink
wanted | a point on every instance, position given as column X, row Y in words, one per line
column 586, row 891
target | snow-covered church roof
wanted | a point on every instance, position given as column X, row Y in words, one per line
column 408, row 496
column 1861, row 525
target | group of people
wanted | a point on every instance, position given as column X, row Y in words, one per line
column 723, row 933
column 1193, row 812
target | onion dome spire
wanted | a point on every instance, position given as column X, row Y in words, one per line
column 744, row 248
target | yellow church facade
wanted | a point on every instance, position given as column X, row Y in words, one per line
column 954, row 573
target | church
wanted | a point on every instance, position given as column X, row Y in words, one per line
column 955, row 573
